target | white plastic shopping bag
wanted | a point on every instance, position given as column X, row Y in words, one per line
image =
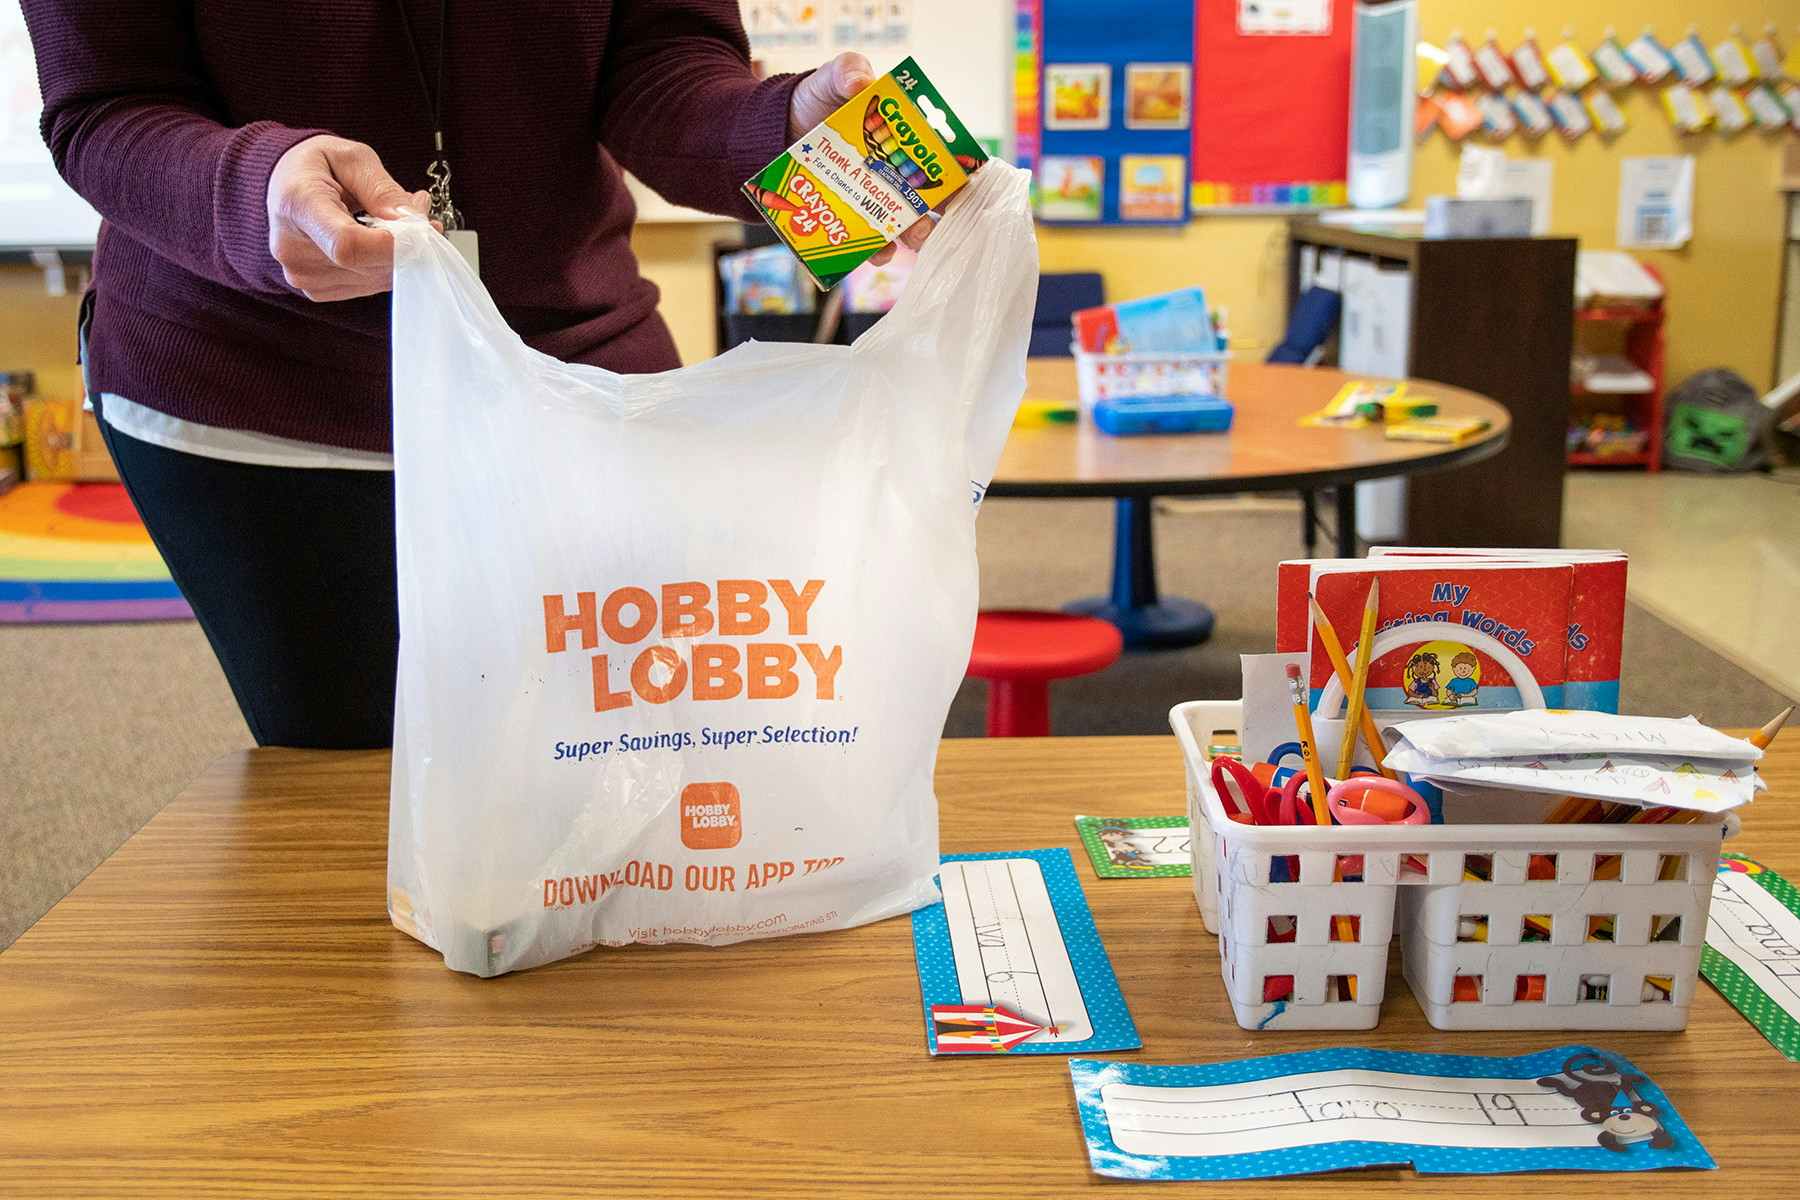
column 676, row 649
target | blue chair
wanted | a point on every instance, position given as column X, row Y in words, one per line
column 1059, row 297
column 1310, row 325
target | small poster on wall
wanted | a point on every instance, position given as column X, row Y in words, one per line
column 1302, row 18
column 1077, row 96
column 1151, row 187
column 1656, row 202
column 1156, row 95
column 1071, row 187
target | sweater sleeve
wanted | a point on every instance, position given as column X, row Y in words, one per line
column 679, row 107
column 135, row 129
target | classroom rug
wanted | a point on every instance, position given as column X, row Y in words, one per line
column 76, row 553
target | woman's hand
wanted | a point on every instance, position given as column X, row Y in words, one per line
column 822, row 93
column 315, row 190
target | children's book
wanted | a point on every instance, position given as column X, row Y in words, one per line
column 1496, row 630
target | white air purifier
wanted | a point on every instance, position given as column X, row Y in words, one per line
column 1383, row 86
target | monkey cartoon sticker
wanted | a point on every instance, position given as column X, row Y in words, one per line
column 1608, row 1097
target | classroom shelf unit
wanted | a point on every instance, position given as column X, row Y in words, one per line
column 1635, row 333
column 1494, row 315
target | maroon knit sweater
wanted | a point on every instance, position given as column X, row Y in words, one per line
column 168, row 116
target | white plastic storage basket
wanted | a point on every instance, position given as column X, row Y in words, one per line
column 1148, row 375
column 1413, row 881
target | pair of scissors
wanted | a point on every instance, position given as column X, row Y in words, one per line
column 1248, row 800
column 1376, row 800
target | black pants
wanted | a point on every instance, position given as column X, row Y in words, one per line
column 291, row 573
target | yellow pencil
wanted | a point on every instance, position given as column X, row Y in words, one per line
column 1309, row 750
column 1762, row 737
column 1359, row 682
column 1334, row 650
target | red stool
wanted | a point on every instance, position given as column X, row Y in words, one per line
column 1019, row 651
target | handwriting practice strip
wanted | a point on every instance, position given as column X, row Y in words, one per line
column 1752, row 952
column 1572, row 1108
column 1014, row 932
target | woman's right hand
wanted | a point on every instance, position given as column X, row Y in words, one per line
column 315, row 191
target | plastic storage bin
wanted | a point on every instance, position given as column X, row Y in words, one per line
column 1125, row 377
column 1413, row 883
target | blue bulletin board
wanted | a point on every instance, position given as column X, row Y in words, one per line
column 1116, row 82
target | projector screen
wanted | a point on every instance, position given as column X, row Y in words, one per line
column 37, row 209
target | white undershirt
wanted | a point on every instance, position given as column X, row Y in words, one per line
column 232, row 445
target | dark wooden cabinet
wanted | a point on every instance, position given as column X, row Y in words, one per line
column 1496, row 316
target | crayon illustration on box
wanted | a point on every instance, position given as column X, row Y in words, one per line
column 855, row 182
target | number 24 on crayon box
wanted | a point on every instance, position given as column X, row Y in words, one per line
column 854, row 183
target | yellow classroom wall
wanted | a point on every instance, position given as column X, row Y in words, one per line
column 1723, row 288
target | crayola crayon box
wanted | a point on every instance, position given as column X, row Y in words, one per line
column 855, row 182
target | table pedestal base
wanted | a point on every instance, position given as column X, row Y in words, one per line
column 1144, row 620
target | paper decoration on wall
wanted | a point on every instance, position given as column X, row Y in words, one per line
column 1458, row 116
column 1608, row 117
column 1490, row 60
column 1528, row 62
column 1294, row 18
column 1027, row 101
column 1298, row 153
column 1070, row 187
column 1497, row 119
column 783, row 22
column 1732, row 59
column 1656, row 202
column 1151, row 187
column 1157, row 95
column 1729, row 112
column 1790, row 100
column 1077, row 96
column 1609, row 58
column 1649, row 57
column 1687, row 109
column 1570, row 117
column 1767, row 53
column 1533, row 113
column 1572, row 1108
column 1425, row 117
column 872, row 22
column 1569, row 67
column 1692, row 59
column 1459, row 63
column 1766, row 107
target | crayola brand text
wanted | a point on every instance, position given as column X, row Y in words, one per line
column 774, row 654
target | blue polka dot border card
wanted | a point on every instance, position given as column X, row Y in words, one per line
column 1010, row 962
column 1573, row 1108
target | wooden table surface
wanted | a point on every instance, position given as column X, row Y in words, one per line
column 1265, row 450
column 222, row 1009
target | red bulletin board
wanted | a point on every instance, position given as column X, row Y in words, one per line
column 1271, row 119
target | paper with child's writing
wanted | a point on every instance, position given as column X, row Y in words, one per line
column 1752, row 952
column 1014, row 932
column 1137, row 847
column 1541, row 731
column 1649, row 781
column 1648, row 761
column 1573, row 1108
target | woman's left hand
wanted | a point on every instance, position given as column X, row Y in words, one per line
column 822, row 93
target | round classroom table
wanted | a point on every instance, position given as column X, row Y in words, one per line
column 1266, row 450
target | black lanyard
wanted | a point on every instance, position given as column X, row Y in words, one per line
column 442, row 210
